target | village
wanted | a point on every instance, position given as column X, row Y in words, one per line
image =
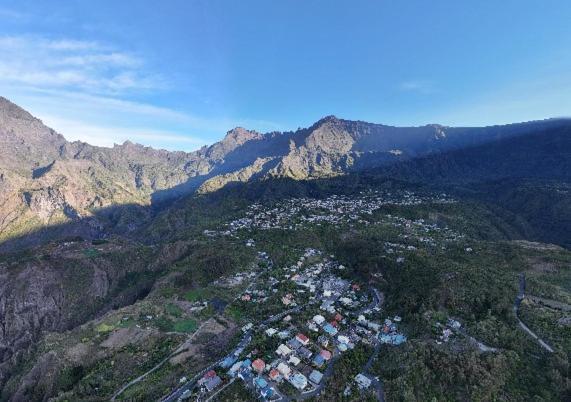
column 303, row 317
column 289, row 355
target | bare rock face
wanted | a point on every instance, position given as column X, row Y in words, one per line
column 46, row 202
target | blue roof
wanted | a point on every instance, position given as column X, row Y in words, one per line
column 228, row 361
column 246, row 363
column 330, row 329
column 316, row 376
column 318, row 360
column 260, row 382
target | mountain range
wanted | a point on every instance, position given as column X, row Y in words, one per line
column 46, row 180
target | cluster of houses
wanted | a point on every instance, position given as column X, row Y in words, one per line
column 295, row 213
column 338, row 323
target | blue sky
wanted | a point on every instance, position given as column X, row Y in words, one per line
column 179, row 74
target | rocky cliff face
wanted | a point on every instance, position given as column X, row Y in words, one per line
column 63, row 286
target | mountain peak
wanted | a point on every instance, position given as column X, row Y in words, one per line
column 240, row 135
column 328, row 119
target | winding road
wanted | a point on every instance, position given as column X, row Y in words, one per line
column 517, row 303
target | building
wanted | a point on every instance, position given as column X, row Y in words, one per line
column 267, row 392
column 294, row 344
column 212, row 383
column 271, row 331
column 318, row 319
column 318, row 361
column 362, row 381
column 323, row 340
column 284, row 369
column 228, row 361
column 343, row 339
column 330, row 329
column 304, row 353
column 274, row 375
column 325, row 354
column 260, row 383
column 283, row 350
column 299, row 381
column 315, row 377
column 207, row 376
column 304, row 340
column 294, row 360
column 234, row 369
column 258, row 365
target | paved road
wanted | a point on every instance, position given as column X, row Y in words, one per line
column 159, row 365
column 517, row 303
column 378, row 299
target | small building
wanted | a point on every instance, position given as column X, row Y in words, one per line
column 258, row 365
column 318, row 319
column 325, row 354
column 343, row 339
column 304, row 352
column 315, row 377
column 362, row 381
column 271, row 331
column 294, row 344
column 212, row 383
column 294, row 360
column 228, row 361
column 304, row 340
column 207, row 376
column 260, row 383
column 330, row 329
column 299, row 381
column 283, row 350
column 318, row 361
column 284, row 370
column 267, row 392
column 274, row 375
column 323, row 340
column 234, row 369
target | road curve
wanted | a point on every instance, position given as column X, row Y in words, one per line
column 517, row 303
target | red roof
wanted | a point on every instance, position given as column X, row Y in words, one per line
column 210, row 374
column 274, row 374
column 334, row 323
column 325, row 354
column 258, row 365
column 302, row 338
column 338, row 317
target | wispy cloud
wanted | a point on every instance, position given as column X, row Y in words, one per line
column 418, row 86
column 90, row 91
column 71, row 64
column 7, row 13
column 108, row 136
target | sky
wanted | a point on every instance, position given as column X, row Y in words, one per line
column 178, row 74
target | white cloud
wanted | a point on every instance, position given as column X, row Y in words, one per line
column 71, row 64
